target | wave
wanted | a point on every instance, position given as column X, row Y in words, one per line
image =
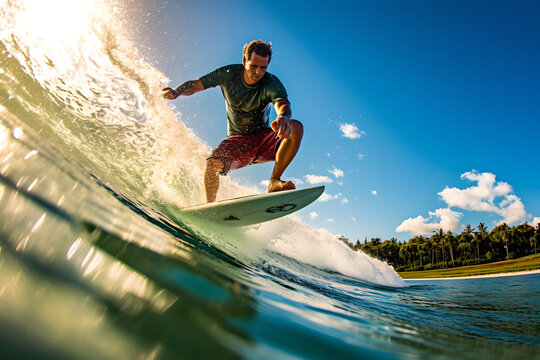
column 86, row 91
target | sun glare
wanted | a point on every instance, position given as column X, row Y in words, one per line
column 58, row 20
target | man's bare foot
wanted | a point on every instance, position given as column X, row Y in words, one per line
column 279, row 185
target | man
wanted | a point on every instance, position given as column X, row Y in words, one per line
column 249, row 90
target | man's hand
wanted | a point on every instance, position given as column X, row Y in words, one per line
column 169, row 93
column 282, row 125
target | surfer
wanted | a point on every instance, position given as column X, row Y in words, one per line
column 249, row 90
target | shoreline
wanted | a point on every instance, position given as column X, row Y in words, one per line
column 507, row 274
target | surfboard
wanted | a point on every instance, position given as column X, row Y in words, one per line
column 254, row 209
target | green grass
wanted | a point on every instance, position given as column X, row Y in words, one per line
column 526, row 263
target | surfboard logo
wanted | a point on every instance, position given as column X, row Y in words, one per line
column 231, row 217
column 280, row 208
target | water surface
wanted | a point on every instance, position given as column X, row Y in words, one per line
column 97, row 262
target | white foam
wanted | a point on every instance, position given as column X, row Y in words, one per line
column 318, row 247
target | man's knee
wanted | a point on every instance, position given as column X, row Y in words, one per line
column 297, row 129
column 214, row 165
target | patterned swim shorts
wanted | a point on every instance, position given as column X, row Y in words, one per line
column 238, row 151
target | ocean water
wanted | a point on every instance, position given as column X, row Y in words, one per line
column 96, row 262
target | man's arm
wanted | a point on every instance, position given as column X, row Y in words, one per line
column 283, row 108
column 282, row 123
column 188, row 88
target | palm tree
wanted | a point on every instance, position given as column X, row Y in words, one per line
column 428, row 245
column 536, row 237
column 468, row 230
column 464, row 247
column 420, row 245
column 480, row 236
column 468, row 237
column 406, row 252
column 506, row 240
column 501, row 234
column 449, row 239
column 434, row 240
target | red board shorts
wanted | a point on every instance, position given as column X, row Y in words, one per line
column 238, row 151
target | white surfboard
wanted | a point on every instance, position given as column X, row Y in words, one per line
column 254, row 209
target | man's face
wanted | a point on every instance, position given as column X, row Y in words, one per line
column 255, row 68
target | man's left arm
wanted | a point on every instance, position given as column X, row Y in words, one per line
column 282, row 124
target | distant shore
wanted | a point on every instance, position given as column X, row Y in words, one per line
column 507, row 274
column 515, row 267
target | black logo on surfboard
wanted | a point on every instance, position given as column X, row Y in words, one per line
column 280, row 208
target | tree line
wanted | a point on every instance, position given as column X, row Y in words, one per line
column 474, row 245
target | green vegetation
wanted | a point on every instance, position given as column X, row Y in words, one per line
column 531, row 262
column 443, row 250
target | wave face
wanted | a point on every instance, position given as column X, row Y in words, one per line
column 97, row 262
column 83, row 87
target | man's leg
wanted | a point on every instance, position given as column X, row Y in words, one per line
column 211, row 178
column 286, row 152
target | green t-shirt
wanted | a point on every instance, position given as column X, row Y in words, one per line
column 248, row 106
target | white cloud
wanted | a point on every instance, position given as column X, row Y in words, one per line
column 297, row 181
column 361, row 156
column 374, row 192
column 486, row 197
column 340, row 183
column 330, row 220
column 316, row 179
column 535, row 221
column 327, row 197
column 344, row 200
column 448, row 221
column 351, row 131
column 313, row 215
column 265, row 183
column 353, row 218
column 336, row 172
column 328, row 155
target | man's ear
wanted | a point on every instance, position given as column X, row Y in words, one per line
column 244, row 61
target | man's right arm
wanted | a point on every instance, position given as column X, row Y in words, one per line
column 188, row 88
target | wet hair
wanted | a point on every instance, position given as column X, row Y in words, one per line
column 259, row 47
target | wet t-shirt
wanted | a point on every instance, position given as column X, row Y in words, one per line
column 248, row 106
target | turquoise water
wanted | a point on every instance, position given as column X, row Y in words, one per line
column 97, row 263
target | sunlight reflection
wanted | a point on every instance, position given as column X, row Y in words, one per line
column 113, row 277
column 30, row 154
column 24, row 227
column 17, row 133
column 38, row 223
column 3, row 137
column 7, row 157
column 61, row 20
column 73, row 248
column 31, row 186
column 43, row 309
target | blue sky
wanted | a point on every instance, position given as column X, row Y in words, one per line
column 443, row 94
